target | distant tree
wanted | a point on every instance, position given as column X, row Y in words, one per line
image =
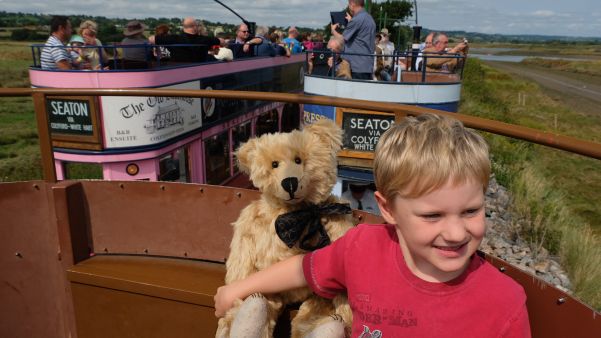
column 24, row 34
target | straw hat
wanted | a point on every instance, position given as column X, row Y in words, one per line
column 133, row 28
column 384, row 31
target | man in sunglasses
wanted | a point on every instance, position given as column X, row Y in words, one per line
column 241, row 46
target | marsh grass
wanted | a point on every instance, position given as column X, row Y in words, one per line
column 553, row 191
column 19, row 147
column 580, row 67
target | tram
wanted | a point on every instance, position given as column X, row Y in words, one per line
column 417, row 86
column 165, row 138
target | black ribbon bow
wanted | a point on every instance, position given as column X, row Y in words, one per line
column 303, row 225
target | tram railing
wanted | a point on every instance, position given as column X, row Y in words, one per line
column 413, row 63
column 562, row 142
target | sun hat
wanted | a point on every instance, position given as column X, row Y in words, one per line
column 134, row 27
column 77, row 38
column 384, row 31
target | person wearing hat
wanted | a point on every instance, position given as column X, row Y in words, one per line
column 198, row 51
column 78, row 58
column 134, row 35
column 361, row 197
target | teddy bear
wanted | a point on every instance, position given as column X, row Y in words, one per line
column 296, row 213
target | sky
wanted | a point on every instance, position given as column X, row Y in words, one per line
column 541, row 17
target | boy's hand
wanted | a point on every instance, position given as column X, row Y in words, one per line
column 224, row 299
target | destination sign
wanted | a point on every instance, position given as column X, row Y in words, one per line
column 70, row 116
column 362, row 131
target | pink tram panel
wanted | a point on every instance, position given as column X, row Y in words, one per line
column 166, row 138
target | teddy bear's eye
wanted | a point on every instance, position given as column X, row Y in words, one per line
column 274, row 164
column 297, row 160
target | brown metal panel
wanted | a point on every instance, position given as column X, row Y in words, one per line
column 552, row 313
column 112, row 313
column 72, row 222
column 165, row 219
column 34, row 302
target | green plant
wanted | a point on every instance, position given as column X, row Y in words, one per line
column 552, row 190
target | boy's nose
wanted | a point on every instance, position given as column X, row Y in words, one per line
column 455, row 230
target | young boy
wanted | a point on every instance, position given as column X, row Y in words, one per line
column 418, row 275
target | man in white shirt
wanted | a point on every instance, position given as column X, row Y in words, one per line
column 361, row 197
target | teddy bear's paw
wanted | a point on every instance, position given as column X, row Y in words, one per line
column 251, row 319
column 330, row 329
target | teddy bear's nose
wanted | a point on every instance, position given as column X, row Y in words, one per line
column 290, row 184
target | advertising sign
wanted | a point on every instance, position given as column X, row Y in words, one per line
column 133, row 121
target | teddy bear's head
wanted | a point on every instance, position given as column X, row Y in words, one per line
column 294, row 167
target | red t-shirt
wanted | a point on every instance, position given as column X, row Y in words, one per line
column 388, row 300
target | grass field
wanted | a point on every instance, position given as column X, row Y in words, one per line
column 553, row 191
column 19, row 149
column 592, row 67
column 592, row 51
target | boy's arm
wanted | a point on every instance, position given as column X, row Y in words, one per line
column 282, row 276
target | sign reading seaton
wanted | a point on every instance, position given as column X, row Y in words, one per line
column 70, row 116
column 363, row 130
column 133, row 121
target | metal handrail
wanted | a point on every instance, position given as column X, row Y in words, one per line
column 567, row 143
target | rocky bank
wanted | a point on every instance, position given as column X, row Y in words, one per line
column 501, row 241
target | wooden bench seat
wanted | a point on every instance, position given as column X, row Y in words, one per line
column 141, row 296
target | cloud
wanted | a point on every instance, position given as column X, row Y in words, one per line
column 544, row 13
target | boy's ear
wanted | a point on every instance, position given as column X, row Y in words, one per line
column 385, row 208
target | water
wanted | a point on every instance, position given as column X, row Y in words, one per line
column 506, row 58
column 488, row 54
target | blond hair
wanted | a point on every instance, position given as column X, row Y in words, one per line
column 88, row 24
column 423, row 153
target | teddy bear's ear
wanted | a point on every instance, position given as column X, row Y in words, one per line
column 328, row 131
column 245, row 154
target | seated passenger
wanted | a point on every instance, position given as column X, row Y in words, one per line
column 260, row 44
column 440, row 41
column 281, row 49
column 94, row 53
column 197, row 53
column 78, row 58
column 162, row 53
column 380, row 72
column 54, row 54
column 341, row 67
column 426, row 44
column 239, row 46
column 293, row 44
column 135, row 57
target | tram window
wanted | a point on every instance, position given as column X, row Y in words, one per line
column 290, row 117
column 217, row 158
column 174, row 166
column 267, row 123
column 77, row 170
column 240, row 134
